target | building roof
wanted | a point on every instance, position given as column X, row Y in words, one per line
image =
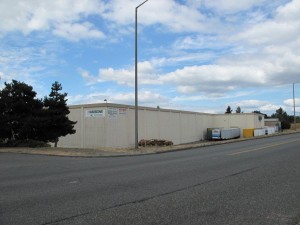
column 113, row 105
column 272, row 120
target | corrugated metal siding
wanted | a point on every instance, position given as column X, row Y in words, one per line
column 116, row 127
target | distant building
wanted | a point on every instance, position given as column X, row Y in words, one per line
column 273, row 122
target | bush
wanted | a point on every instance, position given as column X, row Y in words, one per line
column 285, row 125
column 24, row 143
column 2, row 142
column 155, row 142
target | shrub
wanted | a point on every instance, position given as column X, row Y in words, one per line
column 24, row 143
column 155, row 142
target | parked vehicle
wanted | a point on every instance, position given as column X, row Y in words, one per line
column 225, row 133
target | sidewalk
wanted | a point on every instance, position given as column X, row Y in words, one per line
column 118, row 152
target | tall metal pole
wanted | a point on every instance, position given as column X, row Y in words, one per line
column 294, row 106
column 136, row 78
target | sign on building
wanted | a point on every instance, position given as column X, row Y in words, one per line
column 112, row 112
column 122, row 111
column 94, row 113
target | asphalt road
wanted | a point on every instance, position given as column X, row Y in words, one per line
column 251, row 182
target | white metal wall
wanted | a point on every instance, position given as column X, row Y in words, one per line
column 179, row 127
column 241, row 120
column 115, row 126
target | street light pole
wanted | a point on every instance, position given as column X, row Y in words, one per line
column 136, row 78
column 294, row 107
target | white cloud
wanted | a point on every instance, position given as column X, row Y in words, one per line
column 89, row 79
column 182, row 58
column 176, row 17
column 235, row 73
column 146, row 98
column 255, row 105
column 281, row 29
column 214, row 78
column 261, row 55
column 28, row 64
column 290, row 102
column 213, row 97
column 61, row 16
column 195, row 42
column 231, row 6
column 76, row 31
column 290, row 11
column 268, row 108
column 271, row 32
column 146, row 75
column 251, row 103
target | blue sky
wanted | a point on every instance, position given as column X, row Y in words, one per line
column 197, row 55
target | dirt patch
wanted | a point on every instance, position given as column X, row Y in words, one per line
column 104, row 152
column 74, row 152
column 293, row 126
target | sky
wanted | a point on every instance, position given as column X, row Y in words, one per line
column 194, row 55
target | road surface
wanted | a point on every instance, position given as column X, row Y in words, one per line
column 244, row 183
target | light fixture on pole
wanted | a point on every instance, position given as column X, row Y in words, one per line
column 136, row 78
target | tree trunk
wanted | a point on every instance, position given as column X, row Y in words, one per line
column 55, row 143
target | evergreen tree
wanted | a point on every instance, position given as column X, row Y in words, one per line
column 228, row 110
column 281, row 114
column 54, row 115
column 283, row 118
column 238, row 109
column 18, row 108
column 259, row 112
column 4, row 128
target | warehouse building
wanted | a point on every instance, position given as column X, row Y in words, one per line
column 112, row 125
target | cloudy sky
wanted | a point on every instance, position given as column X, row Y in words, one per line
column 198, row 55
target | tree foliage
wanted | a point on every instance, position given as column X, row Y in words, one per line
column 228, row 110
column 18, row 109
column 24, row 117
column 283, row 117
column 259, row 112
column 238, row 109
column 56, row 121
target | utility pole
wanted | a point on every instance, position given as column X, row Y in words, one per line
column 136, row 78
column 294, row 107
